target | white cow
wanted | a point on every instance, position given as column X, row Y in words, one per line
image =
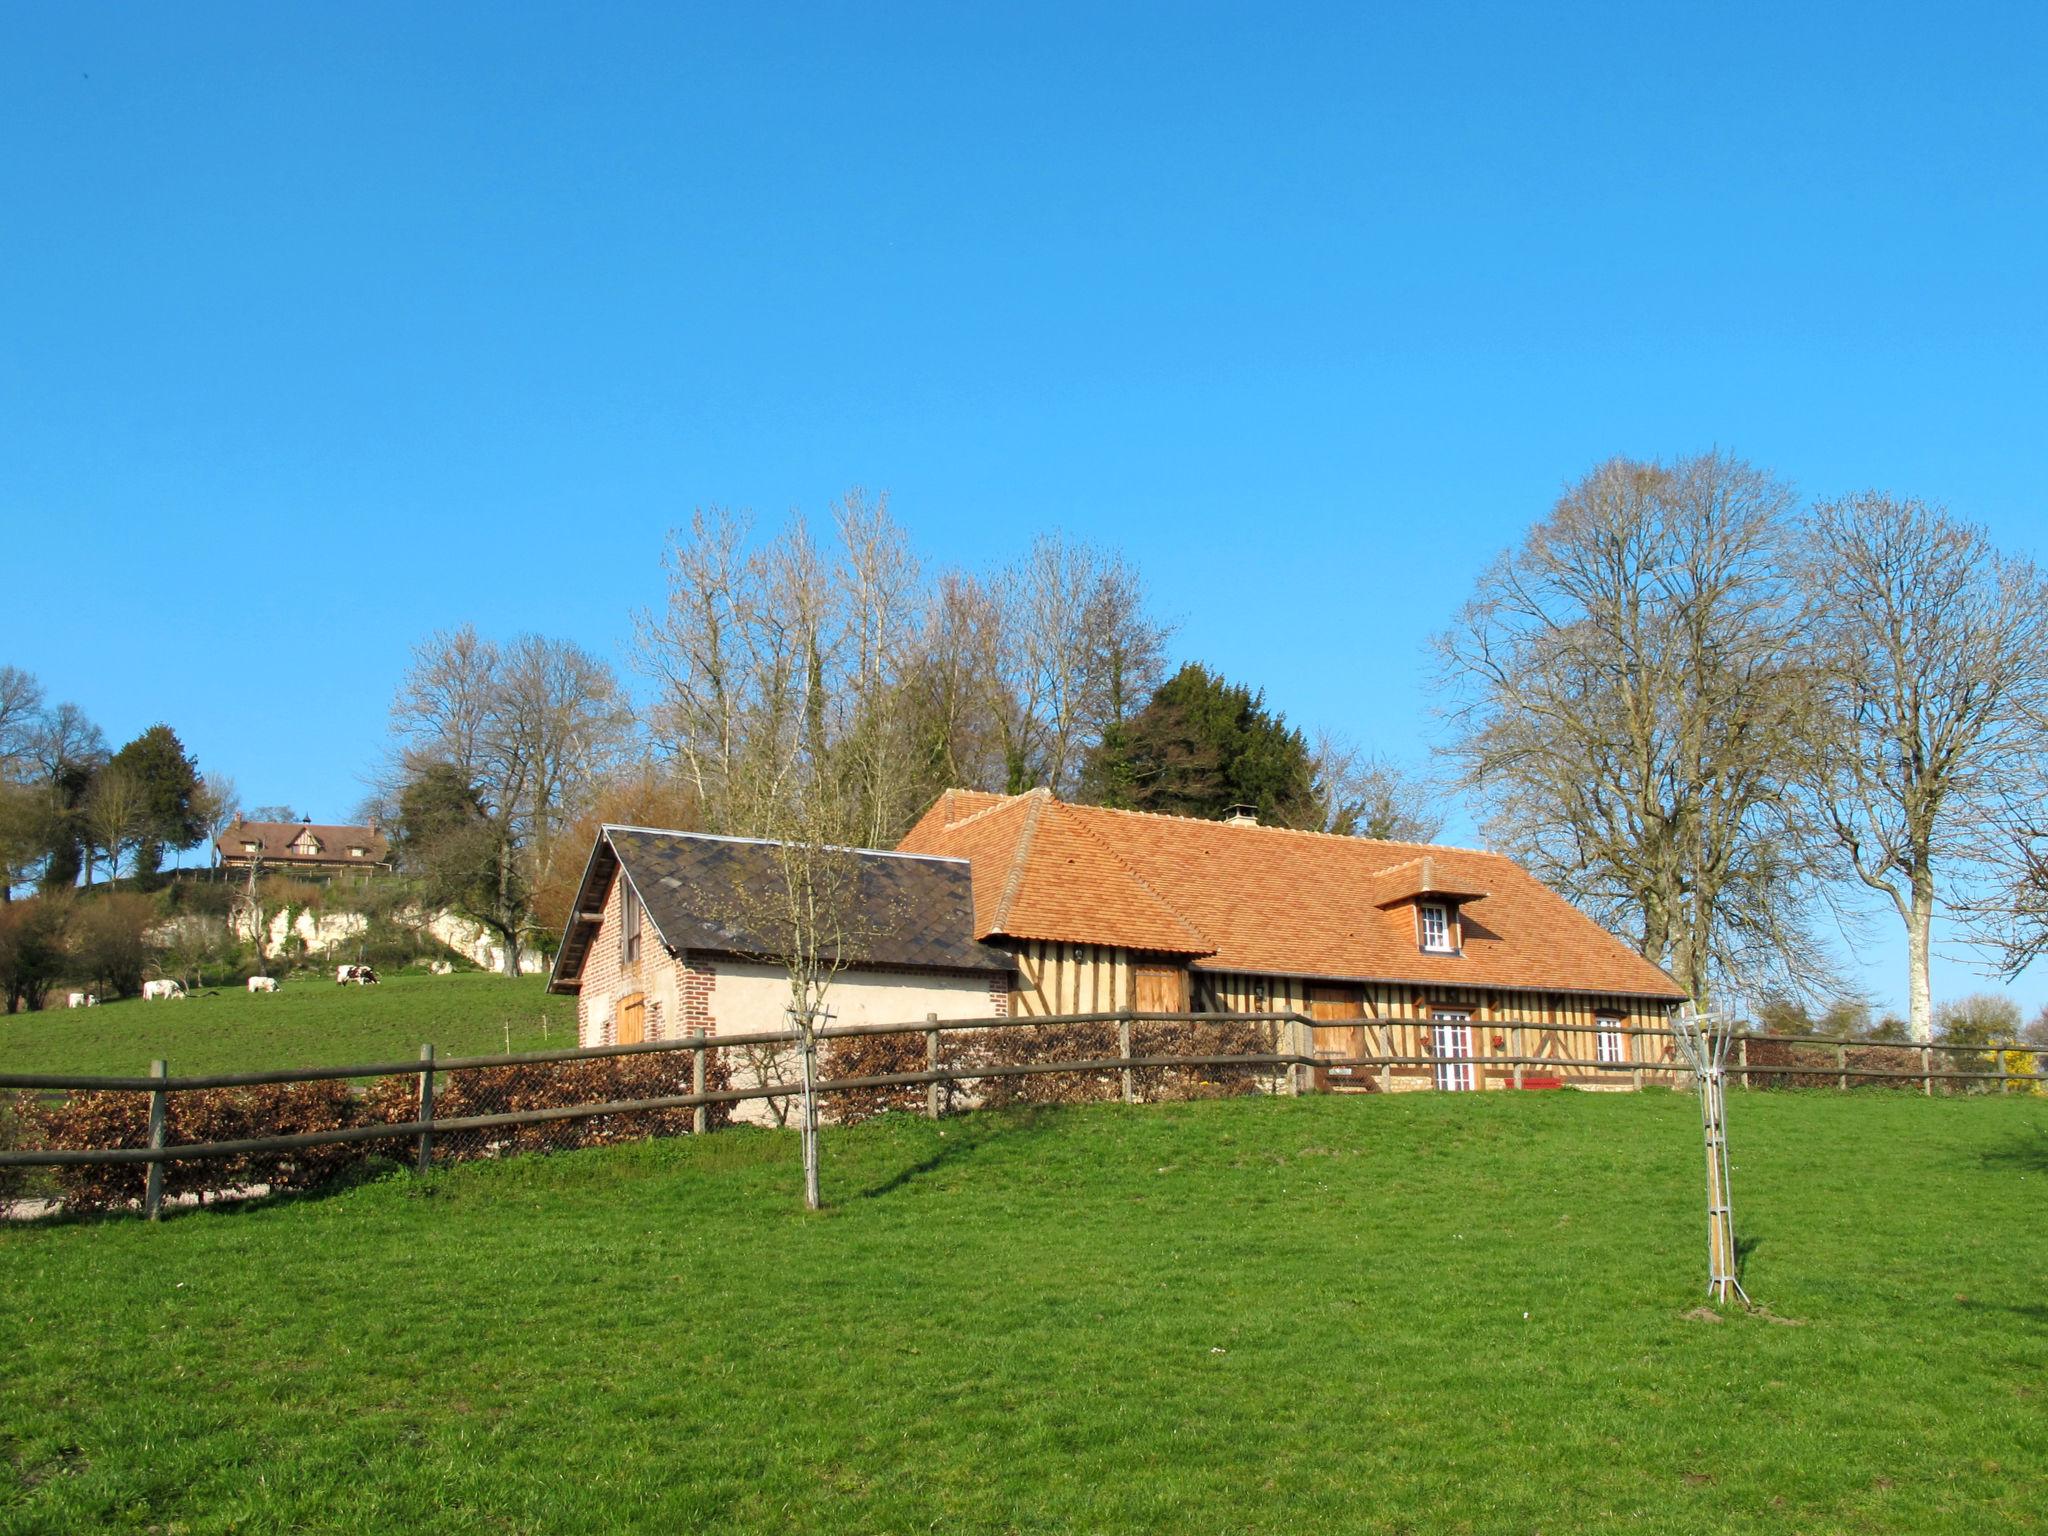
column 165, row 989
column 262, row 983
column 77, row 1000
column 442, row 967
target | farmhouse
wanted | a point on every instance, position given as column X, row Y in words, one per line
column 302, row 845
column 1401, row 949
column 668, row 937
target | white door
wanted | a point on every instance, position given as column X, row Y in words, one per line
column 1451, row 1035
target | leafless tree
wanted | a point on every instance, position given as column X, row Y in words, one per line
column 1357, row 794
column 1628, row 698
column 1932, row 651
column 219, row 802
column 529, row 728
column 21, row 721
column 113, row 819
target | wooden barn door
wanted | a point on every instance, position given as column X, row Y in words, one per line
column 1159, row 989
column 1339, row 1041
column 632, row 1028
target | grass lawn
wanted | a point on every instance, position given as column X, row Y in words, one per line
column 1416, row 1313
column 307, row 1022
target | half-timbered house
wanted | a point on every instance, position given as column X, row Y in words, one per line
column 1394, row 949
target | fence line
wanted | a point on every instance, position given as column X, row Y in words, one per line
column 427, row 1127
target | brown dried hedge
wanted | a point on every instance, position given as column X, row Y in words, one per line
column 1818, row 1069
column 98, row 1121
column 1098, row 1042
column 878, row 1056
column 554, row 1085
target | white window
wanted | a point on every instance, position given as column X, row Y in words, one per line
column 1436, row 928
column 357, row 853
column 251, row 847
column 629, row 921
column 1612, row 1044
column 1450, row 1038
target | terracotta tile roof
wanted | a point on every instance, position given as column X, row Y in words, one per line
column 1267, row 899
column 278, row 837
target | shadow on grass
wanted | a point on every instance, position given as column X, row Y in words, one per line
column 966, row 1136
column 2025, row 1152
column 1744, row 1247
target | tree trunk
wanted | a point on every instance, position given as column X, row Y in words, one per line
column 813, row 1200
column 1919, row 930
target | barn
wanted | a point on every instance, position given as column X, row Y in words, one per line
column 671, row 934
column 1397, row 949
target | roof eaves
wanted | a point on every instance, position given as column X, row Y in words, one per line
column 1020, row 860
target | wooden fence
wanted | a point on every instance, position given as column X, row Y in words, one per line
column 1288, row 1072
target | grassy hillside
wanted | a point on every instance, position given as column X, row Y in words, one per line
column 1421, row 1313
column 307, row 1022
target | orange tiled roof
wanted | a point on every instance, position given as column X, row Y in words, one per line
column 1267, row 899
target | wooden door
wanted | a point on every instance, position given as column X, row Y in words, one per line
column 1159, row 989
column 632, row 1028
column 1341, row 1044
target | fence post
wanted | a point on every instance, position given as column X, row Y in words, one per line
column 1742, row 1057
column 2004, row 1082
column 153, row 1190
column 1123, row 1051
column 1387, row 1054
column 700, row 1117
column 1842, row 1067
column 1517, row 1043
column 426, row 1157
column 931, row 1064
column 1927, row 1071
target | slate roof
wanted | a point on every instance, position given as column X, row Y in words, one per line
column 1268, row 900
column 277, row 838
column 718, row 894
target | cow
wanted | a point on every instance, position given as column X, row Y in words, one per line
column 165, row 989
column 361, row 975
column 442, row 967
column 77, row 1000
column 262, row 983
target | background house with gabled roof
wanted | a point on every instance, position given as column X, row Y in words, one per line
column 1407, row 949
column 311, row 847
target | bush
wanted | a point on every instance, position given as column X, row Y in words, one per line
column 98, row 1121
column 554, row 1085
column 1082, row 1042
column 878, row 1056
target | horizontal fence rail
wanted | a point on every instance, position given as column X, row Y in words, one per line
column 427, row 1127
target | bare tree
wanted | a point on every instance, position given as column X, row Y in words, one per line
column 1356, row 794
column 499, row 746
column 114, row 809
column 21, row 721
column 1629, row 699
column 1933, row 658
column 218, row 803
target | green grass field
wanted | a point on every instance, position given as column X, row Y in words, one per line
column 1419, row 1313
column 307, row 1022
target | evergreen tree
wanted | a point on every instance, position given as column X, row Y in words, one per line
column 1201, row 746
column 167, row 782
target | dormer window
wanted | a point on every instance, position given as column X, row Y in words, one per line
column 1435, row 918
column 252, row 847
column 357, row 853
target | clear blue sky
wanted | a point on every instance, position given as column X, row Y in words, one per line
column 323, row 326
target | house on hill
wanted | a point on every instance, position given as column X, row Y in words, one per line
column 302, row 845
column 667, row 937
column 1393, row 948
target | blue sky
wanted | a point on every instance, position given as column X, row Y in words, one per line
column 321, row 327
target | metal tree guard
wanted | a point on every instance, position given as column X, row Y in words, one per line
column 1702, row 1040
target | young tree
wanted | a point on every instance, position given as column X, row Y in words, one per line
column 110, row 940
column 1933, row 664
column 217, row 804
column 1629, row 703
column 458, row 856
